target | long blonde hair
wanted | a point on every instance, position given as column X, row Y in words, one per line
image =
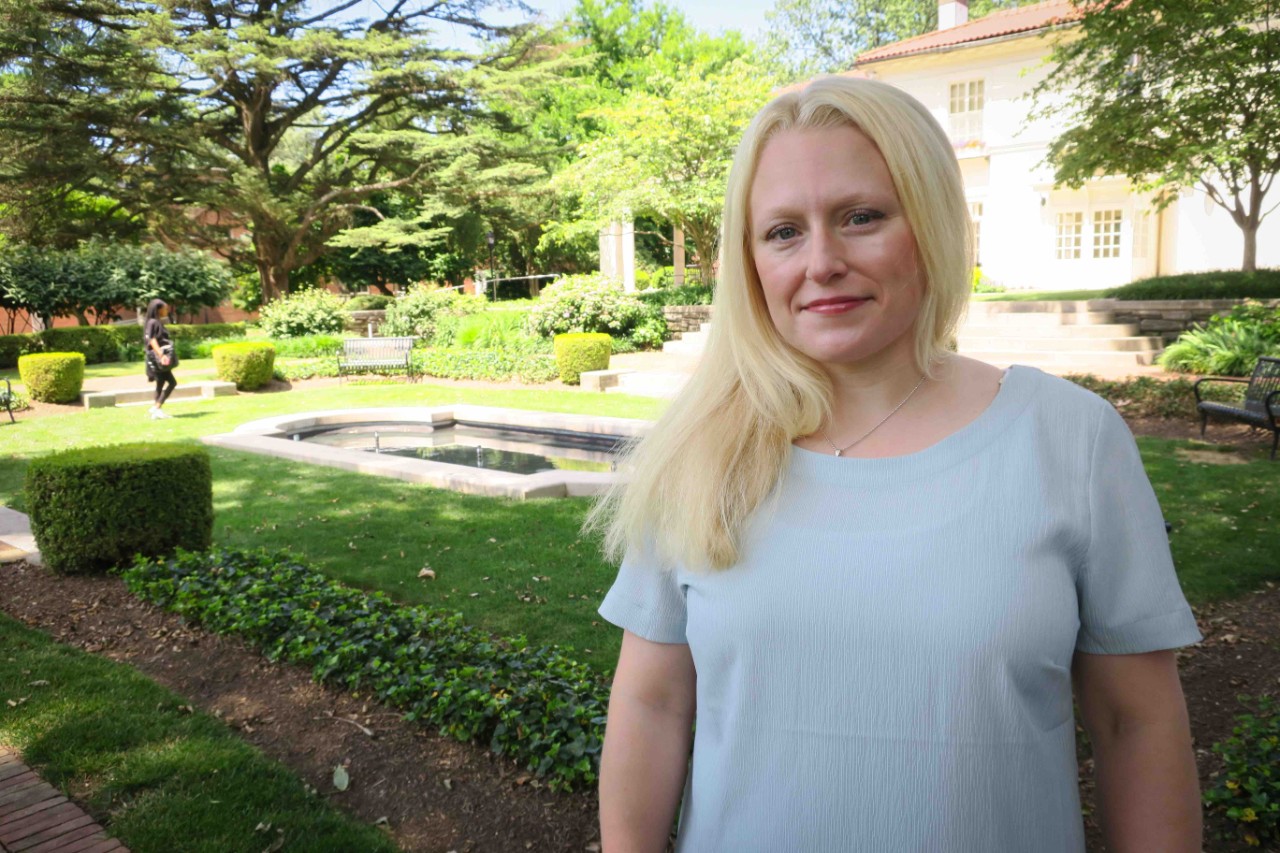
column 720, row 448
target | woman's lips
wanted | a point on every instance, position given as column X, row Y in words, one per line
column 834, row 306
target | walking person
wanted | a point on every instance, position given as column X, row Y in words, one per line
column 160, row 355
column 873, row 572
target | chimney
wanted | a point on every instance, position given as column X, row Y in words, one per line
column 952, row 13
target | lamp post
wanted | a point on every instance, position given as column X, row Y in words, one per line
column 489, row 239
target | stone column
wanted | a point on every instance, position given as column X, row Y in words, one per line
column 627, row 251
column 677, row 238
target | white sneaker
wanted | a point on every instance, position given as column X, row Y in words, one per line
column 153, row 413
column 161, row 414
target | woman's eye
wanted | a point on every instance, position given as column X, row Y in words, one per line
column 782, row 232
column 864, row 217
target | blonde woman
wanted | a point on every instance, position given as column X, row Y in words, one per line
column 869, row 569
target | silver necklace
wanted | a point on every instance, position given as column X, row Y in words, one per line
column 840, row 451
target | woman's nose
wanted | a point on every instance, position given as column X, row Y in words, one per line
column 826, row 257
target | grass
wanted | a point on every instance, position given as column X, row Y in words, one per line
column 158, row 776
column 1040, row 295
column 188, row 370
column 521, row 567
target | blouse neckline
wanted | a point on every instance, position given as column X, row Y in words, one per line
column 1016, row 390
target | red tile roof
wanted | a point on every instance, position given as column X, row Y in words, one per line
column 1003, row 23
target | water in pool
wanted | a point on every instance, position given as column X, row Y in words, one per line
column 496, row 448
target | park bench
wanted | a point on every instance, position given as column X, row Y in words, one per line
column 1261, row 405
column 6, row 400
column 376, row 355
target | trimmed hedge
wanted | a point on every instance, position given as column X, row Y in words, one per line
column 492, row 365
column 101, row 344
column 94, row 508
column 249, row 364
column 1220, row 284
column 532, row 704
column 578, row 353
column 52, row 377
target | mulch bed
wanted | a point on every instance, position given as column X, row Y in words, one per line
column 432, row 793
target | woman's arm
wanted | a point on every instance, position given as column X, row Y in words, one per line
column 646, row 744
column 1136, row 717
column 155, row 347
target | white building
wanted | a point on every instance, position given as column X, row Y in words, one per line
column 976, row 77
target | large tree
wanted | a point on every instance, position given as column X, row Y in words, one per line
column 666, row 153
column 193, row 129
column 810, row 37
column 1172, row 95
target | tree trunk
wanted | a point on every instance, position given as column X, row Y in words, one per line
column 269, row 257
column 1250, row 262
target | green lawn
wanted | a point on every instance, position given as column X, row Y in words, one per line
column 192, row 369
column 521, row 567
column 1040, row 295
column 158, row 776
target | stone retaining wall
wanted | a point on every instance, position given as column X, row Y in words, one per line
column 1168, row 318
column 358, row 321
column 686, row 318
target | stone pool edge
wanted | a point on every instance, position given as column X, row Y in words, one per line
column 264, row 437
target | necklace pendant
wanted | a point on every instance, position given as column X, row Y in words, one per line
column 839, row 452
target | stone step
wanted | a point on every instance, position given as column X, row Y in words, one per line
column 1022, row 319
column 1098, row 330
column 1075, row 362
column 138, row 396
column 1082, row 306
column 649, row 384
column 1059, row 343
column 693, row 343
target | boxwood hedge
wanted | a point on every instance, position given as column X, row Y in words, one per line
column 94, row 508
column 52, row 377
column 532, row 704
column 249, row 364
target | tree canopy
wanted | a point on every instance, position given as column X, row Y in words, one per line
column 806, row 38
column 1172, row 95
column 275, row 119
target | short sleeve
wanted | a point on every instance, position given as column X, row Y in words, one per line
column 1130, row 600
column 647, row 600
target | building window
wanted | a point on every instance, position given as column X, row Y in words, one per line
column 965, row 111
column 1141, row 234
column 1070, row 233
column 975, row 217
column 1106, row 233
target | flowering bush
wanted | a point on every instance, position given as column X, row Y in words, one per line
column 419, row 312
column 591, row 303
column 309, row 312
column 1248, row 790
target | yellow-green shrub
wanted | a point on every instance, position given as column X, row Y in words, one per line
column 249, row 364
column 576, row 353
column 52, row 377
column 94, row 508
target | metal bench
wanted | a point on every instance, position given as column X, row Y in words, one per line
column 1261, row 409
column 6, row 400
column 376, row 355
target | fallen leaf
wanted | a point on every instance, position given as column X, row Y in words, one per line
column 340, row 778
column 427, row 573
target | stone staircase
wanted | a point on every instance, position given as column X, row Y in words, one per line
column 1056, row 336
column 690, row 343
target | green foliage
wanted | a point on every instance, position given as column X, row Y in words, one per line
column 248, row 363
column 17, row 401
column 1247, row 791
column 417, row 312
column 308, row 312
column 1148, row 397
column 493, row 365
column 690, row 294
column 587, row 303
column 488, row 330
column 96, row 279
column 533, row 705
column 287, row 371
column 807, row 38
column 982, row 284
column 52, row 377
column 94, row 508
column 1220, row 284
column 368, row 302
column 1171, row 96
column 1223, row 348
column 579, row 352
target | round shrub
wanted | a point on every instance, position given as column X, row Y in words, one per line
column 576, row 353
column 52, row 377
column 249, row 364
column 308, row 312
column 587, row 303
column 96, row 507
column 368, row 302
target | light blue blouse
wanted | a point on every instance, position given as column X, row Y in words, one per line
column 889, row 666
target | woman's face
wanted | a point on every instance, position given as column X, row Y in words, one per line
column 163, row 312
column 835, row 255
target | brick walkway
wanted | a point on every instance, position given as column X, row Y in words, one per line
column 35, row 818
